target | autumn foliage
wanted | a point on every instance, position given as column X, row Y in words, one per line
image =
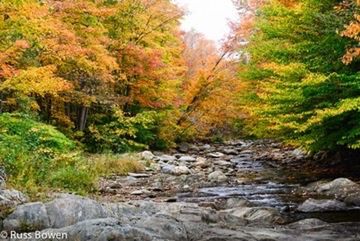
column 80, row 64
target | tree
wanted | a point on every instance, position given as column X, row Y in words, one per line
column 107, row 53
column 209, row 86
column 299, row 87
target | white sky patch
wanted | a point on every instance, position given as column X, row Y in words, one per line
column 209, row 17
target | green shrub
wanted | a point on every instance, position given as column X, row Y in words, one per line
column 122, row 133
column 37, row 156
column 72, row 178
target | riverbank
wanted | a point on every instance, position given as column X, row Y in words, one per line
column 240, row 190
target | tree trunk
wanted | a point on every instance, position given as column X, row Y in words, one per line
column 83, row 117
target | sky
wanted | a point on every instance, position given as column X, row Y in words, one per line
column 209, row 17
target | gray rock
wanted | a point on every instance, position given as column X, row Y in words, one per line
column 28, row 217
column 165, row 227
column 309, row 223
column 175, row 170
column 245, row 215
column 181, row 170
column 61, row 212
column 353, row 199
column 166, row 158
column 150, row 221
column 115, row 185
column 103, row 230
column 312, row 205
column 236, row 203
column 216, row 154
column 140, row 192
column 147, row 155
column 168, row 169
column 138, row 175
column 340, row 188
column 184, row 147
column 187, row 159
column 298, row 154
column 223, row 163
column 205, row 147
column 230, row 151
column 69, row 209
column 239, row 159
column 202, row 162
column 9, row 199
column 217, row 176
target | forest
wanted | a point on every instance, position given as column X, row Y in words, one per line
column 82, row 82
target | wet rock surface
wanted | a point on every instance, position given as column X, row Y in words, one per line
column 146, row 220
column 240, row 190
column 312, row 205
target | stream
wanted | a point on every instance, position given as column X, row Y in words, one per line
column 242, row 190
column 263, row 172
column 275, row 188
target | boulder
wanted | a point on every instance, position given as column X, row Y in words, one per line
column 312, row 205
column 102, row 230
column 168, row 169
column 181, row 170
column 340, row 188
column 28, row 217
column 298, row 154
column 175, row 170
column 9, row 199
column 309, row 223
column 166, row 158
column 205, row 147
column 353, row 199
column 223, row 163
column 246, row 215
column 164, row 226
column 61, row 212
column 202, row 162
column 187, row 159
column 217, row 176
column 183, row 147
column 69, row 209
column 159, row 227
column 147, row 155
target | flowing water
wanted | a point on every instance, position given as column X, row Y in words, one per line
column 270, row 187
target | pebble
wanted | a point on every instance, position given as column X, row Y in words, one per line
column 216, row 154
column 138, row 175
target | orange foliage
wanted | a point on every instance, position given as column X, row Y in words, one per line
column 209, row 88
column 352, row 31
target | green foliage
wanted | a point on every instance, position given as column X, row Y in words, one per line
column 37, row 156
column 72, row 178
column 305, row 94
column 121, row 133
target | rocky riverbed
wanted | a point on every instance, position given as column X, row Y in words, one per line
column 240, row 190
